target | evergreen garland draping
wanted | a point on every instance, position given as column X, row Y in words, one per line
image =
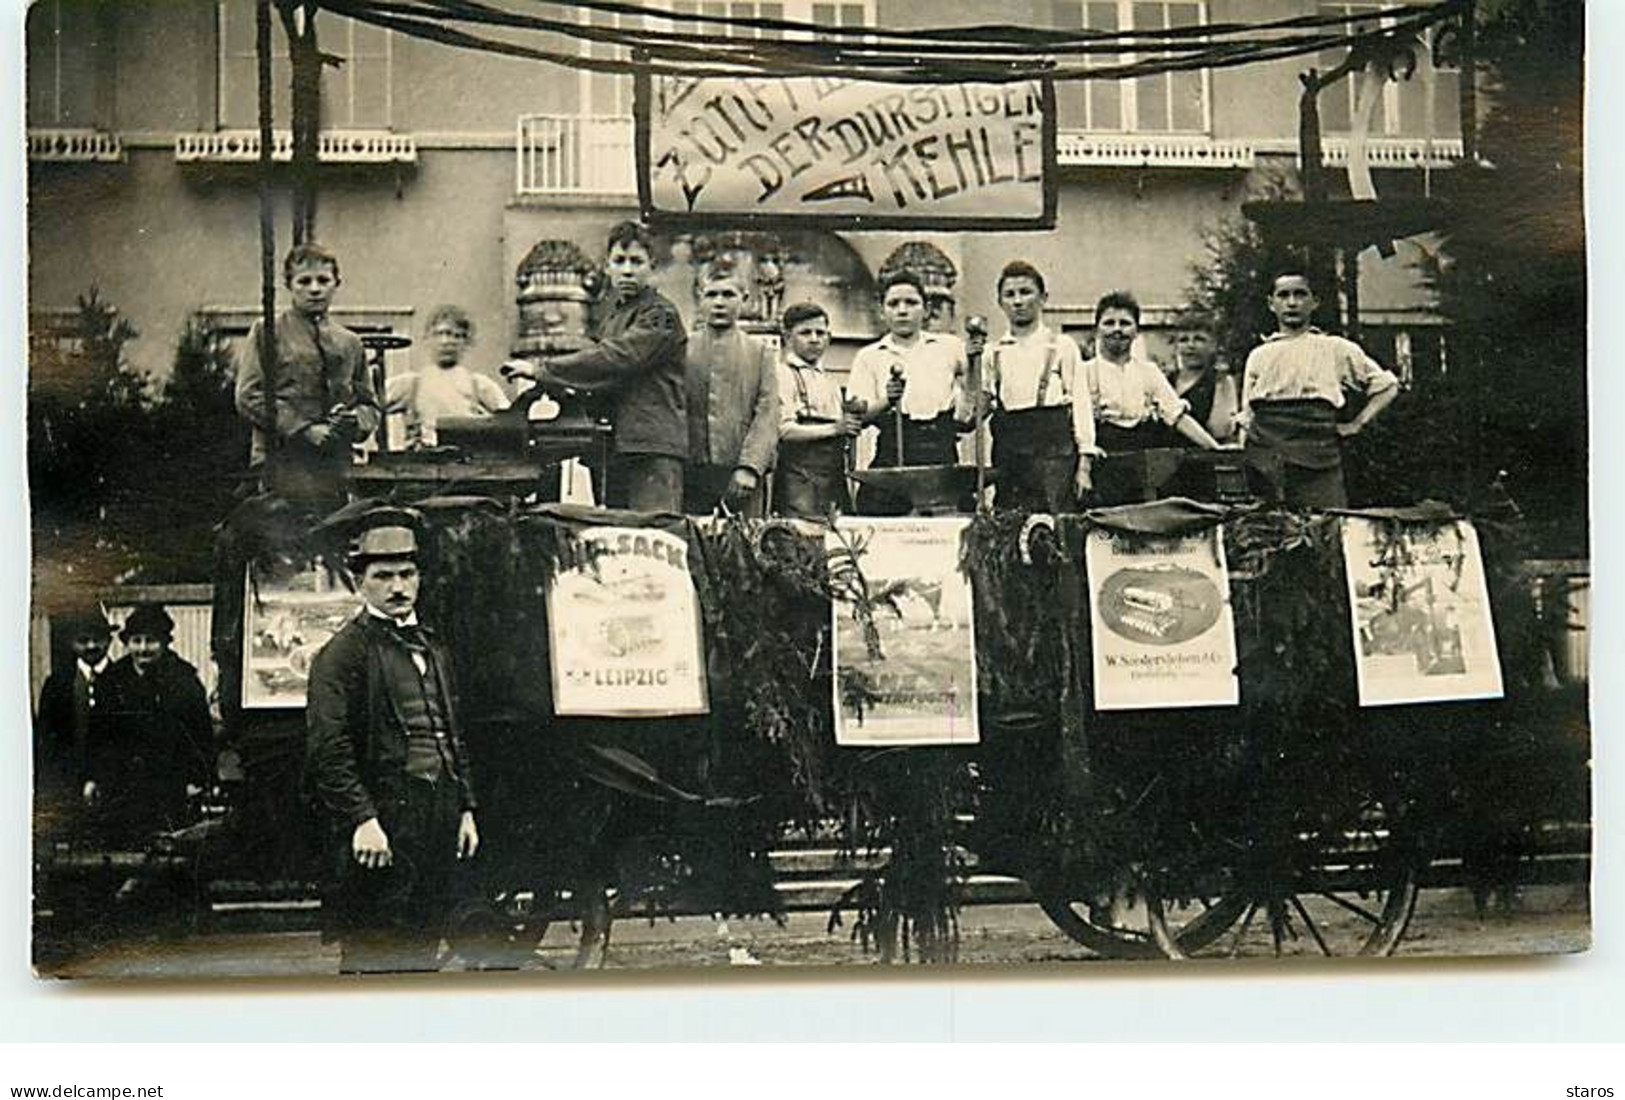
column 1096, row 803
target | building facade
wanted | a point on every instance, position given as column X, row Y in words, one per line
column 442, row 169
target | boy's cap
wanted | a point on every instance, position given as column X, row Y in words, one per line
column 86, row 624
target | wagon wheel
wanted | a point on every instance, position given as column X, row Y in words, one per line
column 1115, row 928
column 511, row 932
column 1328, row 892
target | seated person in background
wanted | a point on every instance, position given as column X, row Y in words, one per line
column 1207, row 386
column 324, row 402
column 816, row 423
column 446, row 389
column 911, row 383
column 1292, row 391
column 1130, row 396
column 636, row 364
column 733, row 404
column 157, row 746
column 1043, row 423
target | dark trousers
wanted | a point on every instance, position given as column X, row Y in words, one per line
column 644, row 483
column 811, row 479
column 1037, row 460
column 1302, row 436
column 393, row 918
column 932, row 442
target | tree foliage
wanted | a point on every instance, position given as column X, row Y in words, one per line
column 127, row 477
column 1513, row 276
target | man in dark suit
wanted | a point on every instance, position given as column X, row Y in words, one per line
column 68, row 721
column 385, row 755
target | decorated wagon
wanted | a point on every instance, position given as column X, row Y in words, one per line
column 1189, row 728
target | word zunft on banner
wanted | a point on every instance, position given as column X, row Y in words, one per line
column 626, row 627
column 847, row 153
column 1162, row 629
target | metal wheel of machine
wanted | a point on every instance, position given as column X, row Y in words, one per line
column 1331, row 892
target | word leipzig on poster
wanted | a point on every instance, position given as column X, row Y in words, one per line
column 1421, row 612
column 288, row 616
column 842, row 152
column 625, row 626
column 906, row 674
column 1160, row 621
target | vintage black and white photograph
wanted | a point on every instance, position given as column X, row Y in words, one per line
column 670, row 485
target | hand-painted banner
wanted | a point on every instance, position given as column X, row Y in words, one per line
column 905, row 675
column 625, row 627
column 1162, row 631
column 847, row 153
column 288, row 616
column 1421, row 611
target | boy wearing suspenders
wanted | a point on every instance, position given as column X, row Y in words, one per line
column 1043, row 423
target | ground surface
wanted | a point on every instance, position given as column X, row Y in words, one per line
column 1544, row 920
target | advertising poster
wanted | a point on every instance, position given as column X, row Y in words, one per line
column 906, row 673
column 287, row 617
column 1160, row 614
column 1422, row 626
column 626, row 628
column 847, row 152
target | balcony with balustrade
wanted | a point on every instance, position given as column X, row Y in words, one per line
column 574, row 156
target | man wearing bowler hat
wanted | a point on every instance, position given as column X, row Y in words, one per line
column 385, row 755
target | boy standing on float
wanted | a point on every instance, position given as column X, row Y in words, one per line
column 1293, row 391
column 1043, row 422
column 912, row 385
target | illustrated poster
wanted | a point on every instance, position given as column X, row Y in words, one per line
column 1161, row 624
column 1421, row 613
column 626, row 628
column 905, row 675
column 288, row 617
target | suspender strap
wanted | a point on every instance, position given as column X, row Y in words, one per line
column 1049, row 370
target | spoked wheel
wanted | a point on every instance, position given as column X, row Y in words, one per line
column 1328, row 893
column 1115, row 927
column 522, row 931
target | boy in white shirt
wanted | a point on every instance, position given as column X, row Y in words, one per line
column 1042, row 419
column 911, row 383
column 448, row 388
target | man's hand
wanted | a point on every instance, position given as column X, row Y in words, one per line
column 743, row 483
column 468, row 836
column 371, row 846
column 319, row 436
column 1083, row 482
column 850, row 424
column 1348, row 429
column 516, row 369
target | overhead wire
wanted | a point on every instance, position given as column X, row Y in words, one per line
column 680, row 54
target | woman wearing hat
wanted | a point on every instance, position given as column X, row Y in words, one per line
column 157, row 744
